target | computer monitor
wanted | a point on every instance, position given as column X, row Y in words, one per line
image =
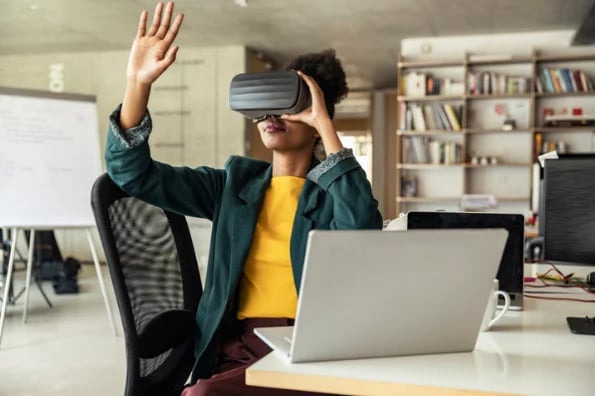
column 568, row 214
column 510, row 271
column 569, row 218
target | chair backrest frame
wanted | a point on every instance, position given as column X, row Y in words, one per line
column 176, row 368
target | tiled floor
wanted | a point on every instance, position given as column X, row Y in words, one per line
column 66, row 350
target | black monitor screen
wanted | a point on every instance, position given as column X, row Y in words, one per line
column 510, row 272
column 569, row 210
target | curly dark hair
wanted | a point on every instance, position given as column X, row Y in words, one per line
column 325, row 68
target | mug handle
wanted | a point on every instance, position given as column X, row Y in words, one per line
column 504, row 308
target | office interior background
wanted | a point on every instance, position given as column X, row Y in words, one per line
column 82, row 46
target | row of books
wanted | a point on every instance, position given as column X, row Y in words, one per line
column 559, row 80
column 422, row 84
column 550, row 80
column 423, row 150
column 430, row 116
column 486, row 83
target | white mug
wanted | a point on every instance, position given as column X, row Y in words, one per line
column 490, row 317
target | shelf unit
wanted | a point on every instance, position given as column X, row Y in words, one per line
column 437, row 185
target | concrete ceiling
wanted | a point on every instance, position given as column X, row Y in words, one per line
column 365, row 33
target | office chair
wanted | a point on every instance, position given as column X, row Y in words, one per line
column 157, row 284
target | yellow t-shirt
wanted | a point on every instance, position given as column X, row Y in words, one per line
column 267, row 288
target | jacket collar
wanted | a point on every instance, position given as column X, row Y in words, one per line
column 253, row 191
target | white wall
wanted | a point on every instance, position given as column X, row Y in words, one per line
column 509, row 44
column 192, row 121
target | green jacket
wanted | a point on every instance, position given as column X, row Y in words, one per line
column 336, row 195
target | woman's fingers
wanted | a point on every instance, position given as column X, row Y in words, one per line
column 160, row 27
column 142, row 24
column 175, row 28
column 165, row 20
column 292, row 117
column 318, row 107
column 170, row 56
column 310, row 82
column 156, row 19
column 315, row 92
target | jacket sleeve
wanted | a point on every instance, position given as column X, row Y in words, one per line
column 354, row 205
column 193, row 192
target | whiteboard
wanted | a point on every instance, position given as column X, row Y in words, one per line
column 49, row 159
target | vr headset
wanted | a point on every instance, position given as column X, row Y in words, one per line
column 259, row 95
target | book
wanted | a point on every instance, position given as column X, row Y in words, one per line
column 452, row 117
column 547, row 77
column 555, row 81
column 428, row 117
column 444, row 124
column 402, row 116
column 418, row 118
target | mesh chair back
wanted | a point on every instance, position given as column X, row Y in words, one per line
column 154, row 271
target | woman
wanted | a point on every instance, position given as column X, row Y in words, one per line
column 261, row 212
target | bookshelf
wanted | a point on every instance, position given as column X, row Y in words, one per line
column 439, row 159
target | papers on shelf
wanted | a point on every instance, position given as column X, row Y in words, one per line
column 478, row 202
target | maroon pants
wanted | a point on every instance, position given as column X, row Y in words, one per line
column 238, row 351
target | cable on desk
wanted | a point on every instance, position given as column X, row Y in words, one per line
column 563, row 281
column 541, row 297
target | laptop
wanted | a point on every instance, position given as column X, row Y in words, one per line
column 371, row 293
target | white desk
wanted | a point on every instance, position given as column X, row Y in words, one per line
column 530, row 352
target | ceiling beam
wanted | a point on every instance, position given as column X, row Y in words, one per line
column 585, row 34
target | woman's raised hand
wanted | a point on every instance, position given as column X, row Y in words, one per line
column 317, row 117
column 152, row 51
column 151, row 54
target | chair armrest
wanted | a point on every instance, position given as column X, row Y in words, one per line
column 165, row 331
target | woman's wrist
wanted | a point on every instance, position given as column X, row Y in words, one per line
column 328, row 134
column 134, row 105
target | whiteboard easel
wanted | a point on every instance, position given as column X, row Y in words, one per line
column 50, row 157
column 9, row 274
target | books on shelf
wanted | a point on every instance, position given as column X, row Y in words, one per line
column 454, row 116
column 562, row 80
column 492, row 83
column 417, row 84
column 423, row 150
column 429, row 116
column 548, row 97
column 419, row 123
